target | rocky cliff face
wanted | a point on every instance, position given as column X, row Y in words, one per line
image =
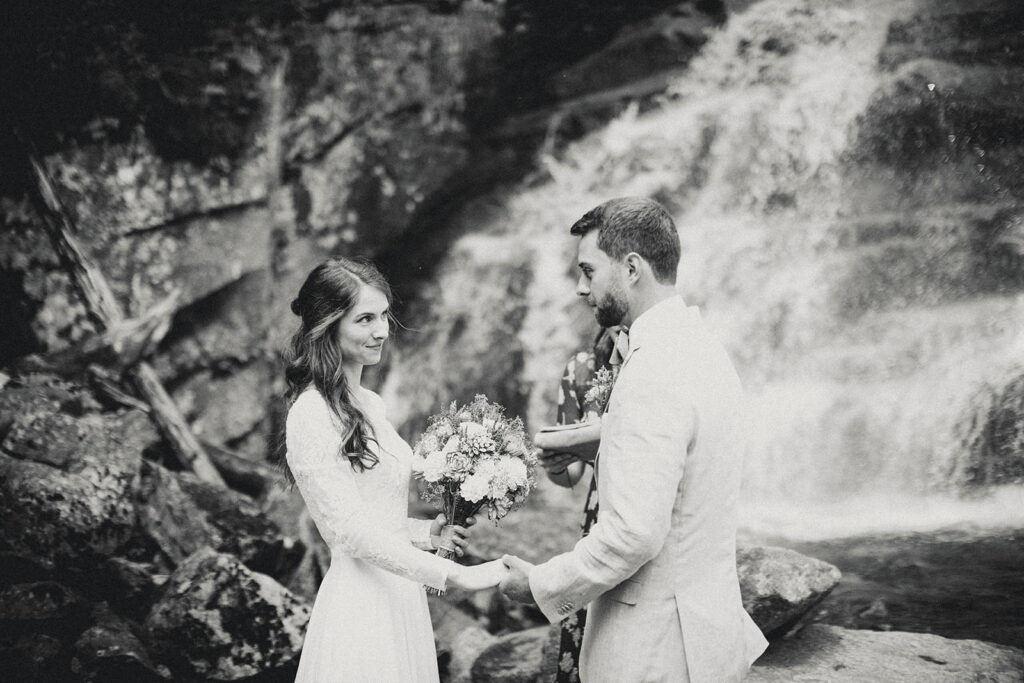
column 218, row 153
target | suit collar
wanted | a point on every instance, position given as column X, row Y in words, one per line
column 668, row 314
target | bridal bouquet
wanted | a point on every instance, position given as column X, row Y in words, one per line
column 472, row 457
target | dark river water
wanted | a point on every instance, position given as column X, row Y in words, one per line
column 958, row 583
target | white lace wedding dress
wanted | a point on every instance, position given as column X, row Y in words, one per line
column 370, row 620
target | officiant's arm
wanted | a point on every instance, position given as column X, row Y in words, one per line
column 643, row 452
column 565, row 449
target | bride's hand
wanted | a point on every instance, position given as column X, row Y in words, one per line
column 459, row 540
column 478, row 577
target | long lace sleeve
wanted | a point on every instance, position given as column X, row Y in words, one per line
column 328, row 486
column 419, row 533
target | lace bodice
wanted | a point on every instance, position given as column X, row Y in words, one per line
column 361, row 514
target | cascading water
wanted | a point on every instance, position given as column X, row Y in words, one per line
column 853, row 314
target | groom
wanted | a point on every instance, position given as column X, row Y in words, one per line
column 658, row 570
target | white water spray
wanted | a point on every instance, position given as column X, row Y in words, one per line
column 858, row 388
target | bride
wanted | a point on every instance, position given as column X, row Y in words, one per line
column 370, row 620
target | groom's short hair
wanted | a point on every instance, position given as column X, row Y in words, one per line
column 635, row 224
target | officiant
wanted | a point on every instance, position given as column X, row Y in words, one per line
column 568, row 454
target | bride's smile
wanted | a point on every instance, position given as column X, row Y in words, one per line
column 364, row 328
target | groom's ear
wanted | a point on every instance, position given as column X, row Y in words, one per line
column 634, row 264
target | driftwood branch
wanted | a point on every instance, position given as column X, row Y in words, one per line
column 121, row 346
column 101, row 304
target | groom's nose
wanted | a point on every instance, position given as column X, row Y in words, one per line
column 582, row 288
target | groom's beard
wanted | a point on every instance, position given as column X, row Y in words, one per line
column 611, row 309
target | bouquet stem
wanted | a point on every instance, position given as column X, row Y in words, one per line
column 456, row 512
column 446, row 549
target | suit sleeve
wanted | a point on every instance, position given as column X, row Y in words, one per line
column 644, row 440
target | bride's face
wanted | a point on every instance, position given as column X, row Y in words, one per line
column 364, row 328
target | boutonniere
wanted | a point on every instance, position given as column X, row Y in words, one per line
column 600, row 390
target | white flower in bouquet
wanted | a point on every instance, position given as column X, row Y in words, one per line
column 477, row 486
column 428, row 444
column 509, row 474
column 433, row 466
column 459, row 466
column 514, row 472
column 517, row 446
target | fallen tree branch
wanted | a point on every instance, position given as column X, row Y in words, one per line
column 116, row 349
column 103, row 307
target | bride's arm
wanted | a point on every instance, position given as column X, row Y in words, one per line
column 419, row 533
column 346, row 521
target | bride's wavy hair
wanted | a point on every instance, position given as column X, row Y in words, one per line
column 313, row 357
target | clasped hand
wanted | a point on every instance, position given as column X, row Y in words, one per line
column 477, row 577
column 510, row 574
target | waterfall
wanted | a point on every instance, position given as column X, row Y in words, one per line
column 853, row 317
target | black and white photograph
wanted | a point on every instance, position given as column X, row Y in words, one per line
column 512, row 341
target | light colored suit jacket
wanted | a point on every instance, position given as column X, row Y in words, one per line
column 659, row 568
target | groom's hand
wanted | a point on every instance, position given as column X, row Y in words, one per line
column 516, row 586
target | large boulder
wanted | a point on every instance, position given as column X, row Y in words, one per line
column 218, row 620
column 522, row 657
column 839, row 655
column 37, row 620
column 947, row 117
column 167, row 518
column 38, row 395
column 182, row 514
column 40, row 605
column 459, row 638
column 779, row 586
column 68, row 482
column 109, row 651
column 129, row 587
column 33, row 657
column 223, row 408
